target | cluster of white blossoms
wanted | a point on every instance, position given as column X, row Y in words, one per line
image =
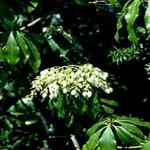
column 72, row 80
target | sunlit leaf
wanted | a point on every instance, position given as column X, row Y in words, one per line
column 147, row 16
column 130, row 17
column 120, row 19
column 12, row 50
column 146, row 146
column 107, row 140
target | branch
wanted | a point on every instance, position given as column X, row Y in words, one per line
column 75, row 142
column 31, row 23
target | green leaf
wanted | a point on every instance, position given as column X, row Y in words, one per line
column 147, row 17
column 12, row 50
column 33, row 7
column 95, row 127
column 120, row 19
column 135, row 121
column 2, row 55
column 107, row 140
column 113, row 2
column 93, row 141
column 133, row 129
column 130, row 17
column 35, row 59
column 146, row 146
column 109, row 102
column 123, row 136
column 4, row 10
column 23, row 46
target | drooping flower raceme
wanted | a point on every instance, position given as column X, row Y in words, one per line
column 72, row 80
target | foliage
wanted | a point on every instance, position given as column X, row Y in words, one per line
column 112, row 131
column 74, row 36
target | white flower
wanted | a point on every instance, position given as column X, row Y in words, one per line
column 44, row 95
column 89, row 94
column 64, row 90
column 104, row 75
column 84, row 93
column 108, row 90
column 64, row 83
column 73, row 92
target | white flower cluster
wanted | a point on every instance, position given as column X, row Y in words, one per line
column 73, row 80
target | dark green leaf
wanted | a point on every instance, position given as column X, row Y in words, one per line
column 123, row 136
column 133, row 129
column 135, row 121
column 2, row 55
column 12, row 50
column 107, row 140
column 93, row 141
column 23, row 46
column 95, row 127
column 109, row 102
column 35, row 59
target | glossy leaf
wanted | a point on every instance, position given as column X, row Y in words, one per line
column 93, row 142
column 107, row 140
column 130, row 17
column 12, row 50
column 35, row 59
column 147, row 16
column 22, row 44
column 123, row 136
column 135, row 121
column 133, row 129
column 95, row 127
column 120, row 19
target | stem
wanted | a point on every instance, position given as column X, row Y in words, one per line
column 130, row 147
column 75, row 142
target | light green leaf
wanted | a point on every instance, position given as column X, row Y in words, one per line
column 12, row 50
column 23, row 46
column 147, row 17
column 113, row 2
column 107, row 140
column 130, row 17
column 35, row 59
column 146, row 146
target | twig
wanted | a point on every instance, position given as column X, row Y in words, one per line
column 130, row 147
column 75, row 142
column 31, row 23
